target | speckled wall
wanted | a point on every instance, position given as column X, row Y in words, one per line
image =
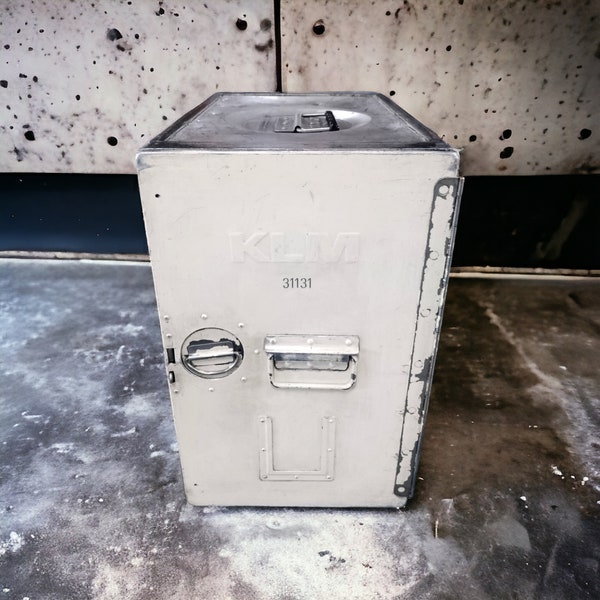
column 514, row 82
column 84, row 84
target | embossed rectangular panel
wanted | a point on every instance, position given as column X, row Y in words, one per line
column 515, row 84
column 84, row 84
column 300, row 275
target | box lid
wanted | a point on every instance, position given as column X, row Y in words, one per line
column 297, row 122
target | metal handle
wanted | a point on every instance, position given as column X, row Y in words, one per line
column 315, row 122
column 211, row 358
column 306, row 123
column 312, row 361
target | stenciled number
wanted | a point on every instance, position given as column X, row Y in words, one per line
column 296, row 283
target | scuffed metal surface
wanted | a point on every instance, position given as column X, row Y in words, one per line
column 432, row 295
column 83, row 87
column 514, row 83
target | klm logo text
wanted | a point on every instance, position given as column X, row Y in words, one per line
column 263, row 246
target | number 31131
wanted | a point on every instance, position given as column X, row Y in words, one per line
column 292, row 283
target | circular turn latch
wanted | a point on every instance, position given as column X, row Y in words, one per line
column 211, row 353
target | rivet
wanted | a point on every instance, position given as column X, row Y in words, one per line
column 240, row 325
column 348, row 342
column 176, row 391
column 263, row 449
column 203, row 316
column 295, row 476
column 328, row 476
column 329, row 449
column 257, row 351
column 444, row 189
column 433, row 255
column 244, row 380
column 211, row 389
column 166, row 317
column 425, row 312
column 264, row 477
column 272, row 340
column 310, row 341
column 418, row 363
column 331, row 420
column 262, row 420
column 168, row 335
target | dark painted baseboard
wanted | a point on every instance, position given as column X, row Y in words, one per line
column 548, row 222
column 71, row 213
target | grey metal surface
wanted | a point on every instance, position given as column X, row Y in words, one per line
column 366, row 207
column 252, row 121
column 91, row 497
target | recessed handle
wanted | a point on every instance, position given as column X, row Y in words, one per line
column 312, row 361
column 211, row 353
column 306, row 123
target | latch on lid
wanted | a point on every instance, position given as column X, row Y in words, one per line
column 306, row 123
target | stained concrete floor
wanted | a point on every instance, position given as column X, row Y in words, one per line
column 91, row 497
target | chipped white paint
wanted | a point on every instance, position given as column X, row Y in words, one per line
column 514, row 82
column 83, row 87
column 432, row 294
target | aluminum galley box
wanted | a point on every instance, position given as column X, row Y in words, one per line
column 300, row 248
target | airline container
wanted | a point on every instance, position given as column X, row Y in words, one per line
column 300, row 248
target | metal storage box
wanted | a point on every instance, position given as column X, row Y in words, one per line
column 300, row 248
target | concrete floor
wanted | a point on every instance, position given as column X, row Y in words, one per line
column 91, row 498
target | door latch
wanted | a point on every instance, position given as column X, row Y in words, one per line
column 211, row 353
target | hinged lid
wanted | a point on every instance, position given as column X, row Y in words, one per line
column 296, row 122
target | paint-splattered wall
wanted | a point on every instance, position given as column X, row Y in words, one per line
column 84, row 84
column 515, row 83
